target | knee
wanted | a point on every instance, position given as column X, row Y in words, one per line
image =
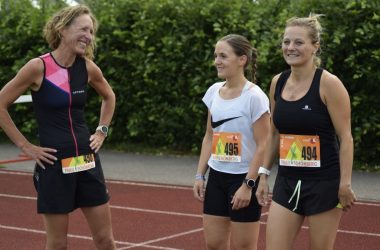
column 244, row 246
column 217, row 245
column 104, row 241
column 322, row 246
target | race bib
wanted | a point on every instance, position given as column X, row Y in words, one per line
column 300, row 150
column 226, row 147
column 78, row 163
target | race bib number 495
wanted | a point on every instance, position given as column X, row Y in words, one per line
column 300, row 150
column 78, row 163
column 226, row 147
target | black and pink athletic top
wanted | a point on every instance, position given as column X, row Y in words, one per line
column 59, row 107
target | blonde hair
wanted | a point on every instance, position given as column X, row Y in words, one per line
column 63, row 18
column 312, row 24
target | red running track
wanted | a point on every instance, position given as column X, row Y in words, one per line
column 152, row 216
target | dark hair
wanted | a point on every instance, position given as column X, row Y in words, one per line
column 311, row 23
column 64, row 18
column 241, row 47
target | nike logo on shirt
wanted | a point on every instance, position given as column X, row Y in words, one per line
column 218, row 123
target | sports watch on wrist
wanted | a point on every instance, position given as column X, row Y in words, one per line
column 251, row 183
column 102, row 129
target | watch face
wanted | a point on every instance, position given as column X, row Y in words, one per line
column 103, row 129
column 250, row 183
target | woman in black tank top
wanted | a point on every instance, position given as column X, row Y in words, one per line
column 311, row 113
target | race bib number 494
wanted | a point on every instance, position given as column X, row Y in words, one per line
column 300, row 150
column 78, row 163
column 226, row 147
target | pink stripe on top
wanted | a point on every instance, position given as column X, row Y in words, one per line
column 56, row 74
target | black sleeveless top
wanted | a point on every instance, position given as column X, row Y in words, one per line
column 59, row 107
column 307, row 116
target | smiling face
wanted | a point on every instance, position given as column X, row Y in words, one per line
column 227, row 63
column 297, row 46
column 78, row 35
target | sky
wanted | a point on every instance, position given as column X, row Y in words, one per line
column 69, row 2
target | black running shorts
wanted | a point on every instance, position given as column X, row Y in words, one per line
column 220, row 189
column 306, row 197
column 59, row 193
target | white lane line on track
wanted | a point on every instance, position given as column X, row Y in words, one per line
column 29, row 230
column 162, row 238
column 363, row 203
column 352, row 232
column 115, row 207
column 168, row 186
column 183, row 214
column 148, row 184
column 367, row 204
column 15, row 173
column 18, row 196
column 156, row 211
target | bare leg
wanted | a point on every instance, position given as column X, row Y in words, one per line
column 56, row 226
column 323, row 229
column 283, row 226
column 217, row 232
column 245, row 235
column 99, row 221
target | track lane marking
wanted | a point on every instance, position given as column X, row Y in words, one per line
column 163, row 238
column 184, row 214
column 142, row 184
column 83, row 237
column 116, row 207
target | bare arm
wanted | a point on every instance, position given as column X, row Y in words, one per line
column 198, row 188
column 243, row 195
column 29, row 76
column 337, row 101
column 271, row 150
column 101, row 86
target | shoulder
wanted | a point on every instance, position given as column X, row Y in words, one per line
column 215, row 87
column 331, row 86
column 330, row 82
column 273, row 84
column 255, row 91
column 329, row 79
column 275, row 78
column 33, row 70
column 35, row 65
column 93, row 70
column 90, row 64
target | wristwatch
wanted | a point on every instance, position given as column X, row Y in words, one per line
column 102, row 129
column 250, row 182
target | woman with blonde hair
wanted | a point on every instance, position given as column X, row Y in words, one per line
column 310, row 108
column 68, row 173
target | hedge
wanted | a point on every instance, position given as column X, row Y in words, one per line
column 158, row 57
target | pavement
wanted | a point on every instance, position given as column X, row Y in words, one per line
column 173, row 170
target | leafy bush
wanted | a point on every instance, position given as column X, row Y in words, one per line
column 158, row 57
